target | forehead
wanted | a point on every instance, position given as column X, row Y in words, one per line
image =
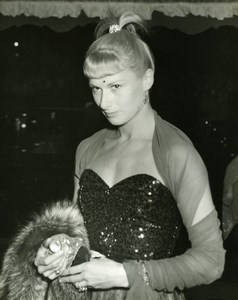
column 125, row 75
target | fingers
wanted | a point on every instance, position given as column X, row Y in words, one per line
column 51, row 274
column 74, row 270
column 75, row 278
column 52, row 265
column 55, row 269
column 74, row 274
column 48, row 260
column 81, row 286
column 47, row 242
column 42, row 256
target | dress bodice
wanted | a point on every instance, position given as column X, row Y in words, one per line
column 137, row 218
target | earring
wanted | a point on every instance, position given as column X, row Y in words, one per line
column 146, row 99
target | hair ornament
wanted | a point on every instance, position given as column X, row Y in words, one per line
column 114, row 28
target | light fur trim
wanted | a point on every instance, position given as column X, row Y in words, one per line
column 19, row 279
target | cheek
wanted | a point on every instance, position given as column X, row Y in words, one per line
column 97, row 99
column 133, row 104
column 138, row 96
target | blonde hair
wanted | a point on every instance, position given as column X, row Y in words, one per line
column 113, row 52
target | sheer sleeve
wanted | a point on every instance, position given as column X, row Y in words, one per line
column 84, row 154
column 204, row 261
column 181, row 167
column 185, row 174
column 80, row 161
column 201, row 264
column 79, row 157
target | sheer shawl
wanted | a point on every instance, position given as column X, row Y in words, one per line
column 185, row 174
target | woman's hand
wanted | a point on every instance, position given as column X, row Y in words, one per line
column 99, row 273
column 50, row 265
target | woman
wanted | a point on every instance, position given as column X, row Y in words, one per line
column 138, row 183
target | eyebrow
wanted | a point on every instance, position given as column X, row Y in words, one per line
column 91, row 84
column 119, row 81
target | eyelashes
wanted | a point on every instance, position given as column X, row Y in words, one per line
column 96, row 89
column 116, row 86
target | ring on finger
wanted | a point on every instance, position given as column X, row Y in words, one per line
column 57, row 272
column 82, row 289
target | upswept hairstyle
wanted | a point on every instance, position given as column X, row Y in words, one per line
column 113, row 52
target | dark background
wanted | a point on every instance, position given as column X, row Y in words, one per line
column 46, row 109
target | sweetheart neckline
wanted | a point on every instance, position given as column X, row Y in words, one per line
column 124, row 179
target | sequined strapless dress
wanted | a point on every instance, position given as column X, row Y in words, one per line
column 135, row 219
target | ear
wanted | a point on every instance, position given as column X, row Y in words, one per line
column 148, row 79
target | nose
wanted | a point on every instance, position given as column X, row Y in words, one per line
column 105, row 101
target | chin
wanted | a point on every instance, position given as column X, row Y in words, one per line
column 115, row 122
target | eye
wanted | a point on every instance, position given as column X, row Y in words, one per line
column 95, row 89
column 116, row 86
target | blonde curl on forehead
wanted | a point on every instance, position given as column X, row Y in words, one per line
column 114, row 52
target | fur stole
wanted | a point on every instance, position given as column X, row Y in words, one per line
column 19, row 279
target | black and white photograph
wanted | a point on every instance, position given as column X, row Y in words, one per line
column 118, row 150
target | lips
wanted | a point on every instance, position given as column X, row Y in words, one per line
column 110, row 114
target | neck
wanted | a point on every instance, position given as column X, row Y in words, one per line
column 140, row 127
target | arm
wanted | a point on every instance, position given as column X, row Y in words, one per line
column 204, row 261
column 99, row 273
column 77, row 172
column 83, row 155
column 201, row 264
column 76, row 188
